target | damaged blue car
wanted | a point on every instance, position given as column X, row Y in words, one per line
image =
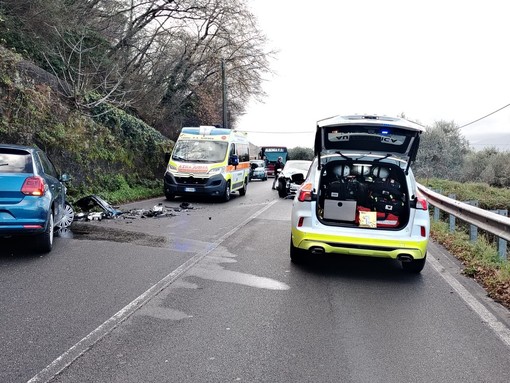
column 32, row 196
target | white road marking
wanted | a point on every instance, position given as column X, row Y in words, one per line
column 499, row 328
column 68, row 357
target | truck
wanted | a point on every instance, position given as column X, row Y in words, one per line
column 270, row 155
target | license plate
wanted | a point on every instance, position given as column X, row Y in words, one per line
column 189, row 189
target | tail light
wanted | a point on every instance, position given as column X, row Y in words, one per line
column 305, row 192
column 421, row 202
column 34, row 186
column 423, row 231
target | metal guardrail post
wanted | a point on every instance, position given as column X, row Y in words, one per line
column 437, row 211
column 502, row 244
column 473, row 230
column 452, row 217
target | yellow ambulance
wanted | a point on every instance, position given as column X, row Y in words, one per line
column 208, row 161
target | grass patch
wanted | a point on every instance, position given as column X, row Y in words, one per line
column 480, row 260
column 130, row 194
column 488, row 197
column 119, row 189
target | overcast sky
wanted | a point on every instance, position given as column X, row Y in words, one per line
column 432, row 60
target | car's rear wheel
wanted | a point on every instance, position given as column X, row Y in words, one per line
column 297, row 255
column 44, row 241
column 414, row 266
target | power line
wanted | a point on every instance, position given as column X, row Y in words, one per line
column 460, row 127
column 253, row 131
column 481, row 118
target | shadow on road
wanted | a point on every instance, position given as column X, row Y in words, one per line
column 356, row 268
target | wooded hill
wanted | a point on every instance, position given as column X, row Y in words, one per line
column 104, row 86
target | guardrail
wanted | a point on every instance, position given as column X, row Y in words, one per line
column 493, row 223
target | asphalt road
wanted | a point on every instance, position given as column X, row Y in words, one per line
column 208, row 294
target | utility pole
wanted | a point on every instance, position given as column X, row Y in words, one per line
column 224, row 82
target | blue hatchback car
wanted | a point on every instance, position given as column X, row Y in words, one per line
column 32, row 196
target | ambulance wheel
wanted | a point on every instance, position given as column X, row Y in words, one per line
column 242, row 191
column 226, row 192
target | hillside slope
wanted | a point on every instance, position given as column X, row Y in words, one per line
column 100, row 148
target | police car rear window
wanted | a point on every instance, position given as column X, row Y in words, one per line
column 368, row 138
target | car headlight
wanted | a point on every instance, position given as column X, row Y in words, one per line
column 215, row 171
column 171, row 168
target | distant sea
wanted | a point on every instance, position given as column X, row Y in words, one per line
column 479, row 141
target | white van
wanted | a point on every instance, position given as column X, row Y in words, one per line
column 208, row 161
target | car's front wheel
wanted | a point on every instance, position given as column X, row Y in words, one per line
column 282, row 188
column 414, row 266
column 44, row 241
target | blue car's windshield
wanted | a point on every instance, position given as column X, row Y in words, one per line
column 200, row 151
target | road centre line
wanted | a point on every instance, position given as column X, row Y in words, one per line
column 86, row 343
column 499, row 328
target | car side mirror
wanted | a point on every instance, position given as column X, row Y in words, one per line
column 65, row 177
column 233, row 160
column 298, row 178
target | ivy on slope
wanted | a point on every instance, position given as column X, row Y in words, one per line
column 103, row 149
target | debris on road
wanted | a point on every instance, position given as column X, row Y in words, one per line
column 94, row 216
column 93, row 202
column 94, row 208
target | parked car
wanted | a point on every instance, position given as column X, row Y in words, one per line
column 360, row 196
column 32, row 196
column 258, row 170
column 292, row 176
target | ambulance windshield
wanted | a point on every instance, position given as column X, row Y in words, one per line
column 199, row 151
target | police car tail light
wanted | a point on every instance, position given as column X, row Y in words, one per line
column 421, row 202
column 305, row 192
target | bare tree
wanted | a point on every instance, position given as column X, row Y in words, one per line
column 224, row 30
column 164, row 54
column 86, row 77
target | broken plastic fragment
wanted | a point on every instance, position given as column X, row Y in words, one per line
column 91, row 201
